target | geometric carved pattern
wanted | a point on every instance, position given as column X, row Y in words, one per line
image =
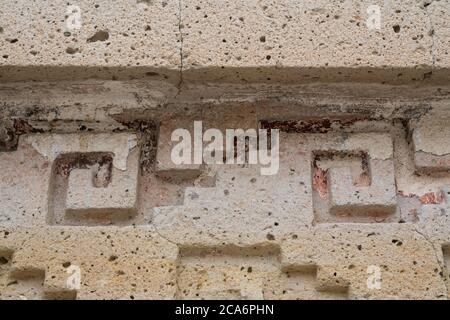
column 351, row 180
column 94, row 186
column 34, row 284
column 244, row 273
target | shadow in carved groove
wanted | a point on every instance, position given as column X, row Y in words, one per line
column 27, row 283
column 253, row 272
column 99, row 164
column 446, row 255
column 335, row 167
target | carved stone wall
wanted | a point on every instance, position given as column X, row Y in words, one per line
column 93, row 207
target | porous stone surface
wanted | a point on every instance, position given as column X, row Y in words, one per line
column 431, row 145
column 438, row 13
column 234, row 233
column 39, row 40
column 305, row 38
column 164, row 164
column 93, row 207
column 238, row 41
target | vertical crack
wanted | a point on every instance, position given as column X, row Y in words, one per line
column 439, row 261
column 180, row 19
column 431, row 32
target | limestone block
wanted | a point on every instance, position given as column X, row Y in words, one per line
column 248, row 38
column 118, row 266
column 252, row 272
column 45, row 40
column 433, row 224
column 418, row 176
column 292, row 199
column 28, row 173
column 358, row 254
column 377, row 197
column 233, row 118
column 240, row 197
column 300, row 234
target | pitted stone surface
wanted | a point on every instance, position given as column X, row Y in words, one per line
column 269, row 235
column 51, row 146
column 372, row 191
column 431, row 144
column 71, row 179
column 250, row 40
column 106, row 268
column 93, row 207
column 302, row 34
column 288, row 253
column 121, row 34
column 438, row 13
column 117, row 195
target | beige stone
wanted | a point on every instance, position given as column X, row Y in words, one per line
column 438, row 12
column 431, row 145
column 115, row 39
column 253, row 39
column 92, row 205
column 164, row 164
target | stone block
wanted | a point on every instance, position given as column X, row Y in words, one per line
column 431, row 143
column 131, row 39
column 251, row 40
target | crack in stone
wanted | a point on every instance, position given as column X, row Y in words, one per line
column 431, row 32
column 438, row 260
column 180, row 20
column 165, row 237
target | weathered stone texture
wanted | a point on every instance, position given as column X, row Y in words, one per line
column 36, row 42
column 93, row 207
column 242, row 41
column 249, row 37
column 271, row 236
column 438, row 12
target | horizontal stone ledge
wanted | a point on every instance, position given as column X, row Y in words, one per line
column 90, row 33
column 16, row 73
column 243, row 75
column 393, row 75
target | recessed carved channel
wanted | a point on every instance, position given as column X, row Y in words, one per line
column 254, row 272
column 83, row 191
column 349, row 186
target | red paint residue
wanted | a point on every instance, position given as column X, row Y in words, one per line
column 363, row 180
column 403, row 194
column 432, row 198
column 320, row 182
